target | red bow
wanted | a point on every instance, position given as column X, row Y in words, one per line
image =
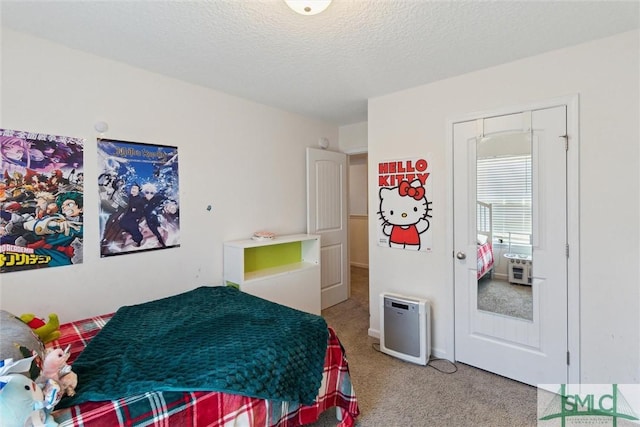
column 405, row 189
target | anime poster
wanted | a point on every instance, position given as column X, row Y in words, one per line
column 41, row 200
column 138, row 191
column 404, row 190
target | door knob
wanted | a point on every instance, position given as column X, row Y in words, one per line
column 461, row 255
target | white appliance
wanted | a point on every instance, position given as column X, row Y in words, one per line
column 405, row 327
column 520, row 268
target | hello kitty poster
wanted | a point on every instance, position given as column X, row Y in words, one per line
column 404, row 210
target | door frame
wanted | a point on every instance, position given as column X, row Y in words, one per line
column 573, row 219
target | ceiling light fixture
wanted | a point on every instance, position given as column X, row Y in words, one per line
column 308, row 7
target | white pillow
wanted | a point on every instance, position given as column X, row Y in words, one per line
column 482, row 239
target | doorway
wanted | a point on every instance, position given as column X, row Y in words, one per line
column 511, row 210
column 358, row 212
column 337, row 211
column 359, row 226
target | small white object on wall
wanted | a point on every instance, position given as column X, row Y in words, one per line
column 101, row 126
column 308, row 7
column 323, row 143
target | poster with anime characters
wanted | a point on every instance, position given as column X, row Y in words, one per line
column 138, row 192
column 404, row 190
column 41, row 200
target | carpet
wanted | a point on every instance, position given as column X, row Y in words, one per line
column 502, row 297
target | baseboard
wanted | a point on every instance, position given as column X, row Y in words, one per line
column 439, row 354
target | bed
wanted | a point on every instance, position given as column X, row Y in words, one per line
column 484, row 215
column 169, row 403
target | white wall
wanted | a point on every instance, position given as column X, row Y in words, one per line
column 605, row 73
column 358, row 184
column 246, row 160
column 353, row 138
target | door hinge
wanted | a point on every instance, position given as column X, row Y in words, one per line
column 566, row 141
column 566, row 250
column 568, row 358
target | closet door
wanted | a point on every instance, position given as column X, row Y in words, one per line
column 528, row 344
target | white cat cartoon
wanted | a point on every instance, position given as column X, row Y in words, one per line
column 404, row 211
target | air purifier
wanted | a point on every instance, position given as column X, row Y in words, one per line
column 405, row 330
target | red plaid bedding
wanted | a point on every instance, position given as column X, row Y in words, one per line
column 485, row 259
column 207, row 408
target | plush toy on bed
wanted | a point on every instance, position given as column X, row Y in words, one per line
column 47, row 331
column 18, row 341
column 55, row 369
column 22, row 402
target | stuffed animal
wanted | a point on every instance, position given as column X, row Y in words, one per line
column 21, row 399
column 55, row 368
column 46, row 331
column 18, row 340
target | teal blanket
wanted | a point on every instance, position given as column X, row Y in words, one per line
column 208, row 339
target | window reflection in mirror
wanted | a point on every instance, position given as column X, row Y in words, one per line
column 504, row 224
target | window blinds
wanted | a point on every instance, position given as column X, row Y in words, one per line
column 505, row 182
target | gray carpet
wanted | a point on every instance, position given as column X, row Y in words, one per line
column 392, row 392
column 500, row 296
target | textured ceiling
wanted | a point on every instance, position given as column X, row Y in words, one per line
column 324, row 66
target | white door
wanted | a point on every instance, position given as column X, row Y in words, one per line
column 327, row 217
column 529, row 345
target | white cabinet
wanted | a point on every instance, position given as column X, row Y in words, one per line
column 285, row 269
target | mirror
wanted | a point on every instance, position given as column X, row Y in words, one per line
column 504, row 224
